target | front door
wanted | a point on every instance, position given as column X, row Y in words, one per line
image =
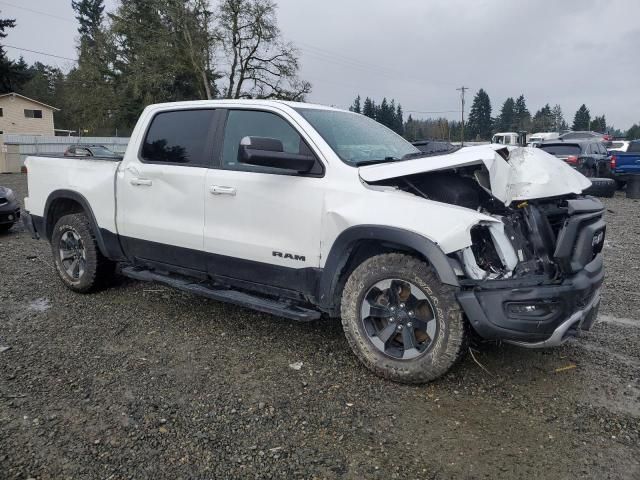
column 161, row 190
column 263, row 225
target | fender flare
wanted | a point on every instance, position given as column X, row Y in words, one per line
column 110, row 249
column 343, row 246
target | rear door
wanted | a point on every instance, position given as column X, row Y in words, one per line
column 161, row 190
column 263, row 225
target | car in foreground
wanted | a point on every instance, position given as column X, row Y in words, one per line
column 89, row 151
column 308, row 212
column 9, row 209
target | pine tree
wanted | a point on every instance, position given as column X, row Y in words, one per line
column 522, row 117
column 12, row 74
column 558, row 119
column 599, row 124
column 369, row 108
column 356, row 105
column 89, row 16
column 634, row 132
column 479, row 125
column 582, row 119
column 543, row 120
column 399, row 121
column 505, row 122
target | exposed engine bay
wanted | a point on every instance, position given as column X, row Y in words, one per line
column 532, row 238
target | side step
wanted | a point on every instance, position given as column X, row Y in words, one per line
column 242, row 299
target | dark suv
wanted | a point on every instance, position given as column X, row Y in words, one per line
column 589, row 157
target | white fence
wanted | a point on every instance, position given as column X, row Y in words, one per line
column 16, row 148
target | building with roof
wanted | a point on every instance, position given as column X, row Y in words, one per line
column 23, row 115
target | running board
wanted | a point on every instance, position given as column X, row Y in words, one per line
column 235, row 297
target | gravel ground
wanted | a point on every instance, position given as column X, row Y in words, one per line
column 140, row 381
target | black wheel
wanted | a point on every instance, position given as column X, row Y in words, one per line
column 401, row 321
column 601, row 187
column 76, row 255
column 5, row 227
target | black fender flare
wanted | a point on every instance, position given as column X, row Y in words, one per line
column 110, row 247
column 343, row 245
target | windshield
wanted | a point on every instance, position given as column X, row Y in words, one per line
column 357, row 139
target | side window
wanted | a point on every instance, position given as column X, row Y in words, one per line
column 248, row 123
column 180, row 137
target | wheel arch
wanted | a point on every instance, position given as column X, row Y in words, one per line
column 65, row 202
column 356, row 244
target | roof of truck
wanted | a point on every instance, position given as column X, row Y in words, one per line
column 242, row 101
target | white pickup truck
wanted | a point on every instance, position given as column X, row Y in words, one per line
column 306, row 211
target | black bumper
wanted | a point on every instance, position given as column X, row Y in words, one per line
column 559, row 311
column 9, row 213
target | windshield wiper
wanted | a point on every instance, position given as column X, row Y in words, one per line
column 377, row 160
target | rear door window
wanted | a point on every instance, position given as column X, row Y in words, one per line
column 634, row 147
column 182, row 137
column 561, row 149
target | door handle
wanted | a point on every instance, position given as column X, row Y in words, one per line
column 141, row 182
column 220, row 190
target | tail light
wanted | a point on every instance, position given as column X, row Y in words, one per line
column 607, row 138
column 572, row 160
column 614, row 162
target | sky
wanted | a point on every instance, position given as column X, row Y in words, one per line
column 568, row 52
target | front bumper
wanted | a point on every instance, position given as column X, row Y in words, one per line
column 9, row 213
column 562, row 309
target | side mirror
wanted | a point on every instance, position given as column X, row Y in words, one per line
column 269, row 152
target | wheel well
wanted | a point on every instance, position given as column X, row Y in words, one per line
column 59, row 208
column 360, row 251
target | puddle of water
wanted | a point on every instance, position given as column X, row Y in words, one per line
column 40, row 305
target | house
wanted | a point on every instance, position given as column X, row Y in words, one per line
column 23, row 115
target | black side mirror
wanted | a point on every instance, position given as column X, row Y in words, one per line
column 269, row 152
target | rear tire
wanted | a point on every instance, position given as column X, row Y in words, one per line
column 433, row 350
column 602, row 187
column 78, row 260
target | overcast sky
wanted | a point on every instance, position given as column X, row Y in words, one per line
column 418, row 51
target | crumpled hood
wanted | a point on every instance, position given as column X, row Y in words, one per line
column 529, row 173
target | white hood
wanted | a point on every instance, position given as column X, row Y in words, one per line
column 528, row 174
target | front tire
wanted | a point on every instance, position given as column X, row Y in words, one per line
column 78, row 260
column 401, row 321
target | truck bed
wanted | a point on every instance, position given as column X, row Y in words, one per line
column 93, row 178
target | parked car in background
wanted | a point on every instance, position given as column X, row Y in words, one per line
column 89, row 151
column 625, row 164
column 505, row 138
column 535, row 139
column 618, row 146
column 586, row 135
column 9, row 209
column 434, row 146
column 589, row 157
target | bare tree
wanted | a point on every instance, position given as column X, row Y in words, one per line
column 261, row 64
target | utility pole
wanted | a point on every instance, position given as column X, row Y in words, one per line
column 462, row 90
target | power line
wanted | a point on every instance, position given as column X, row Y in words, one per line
column 40, row 53
column 38, row 12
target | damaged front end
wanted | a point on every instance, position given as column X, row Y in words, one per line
column 532, row 277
